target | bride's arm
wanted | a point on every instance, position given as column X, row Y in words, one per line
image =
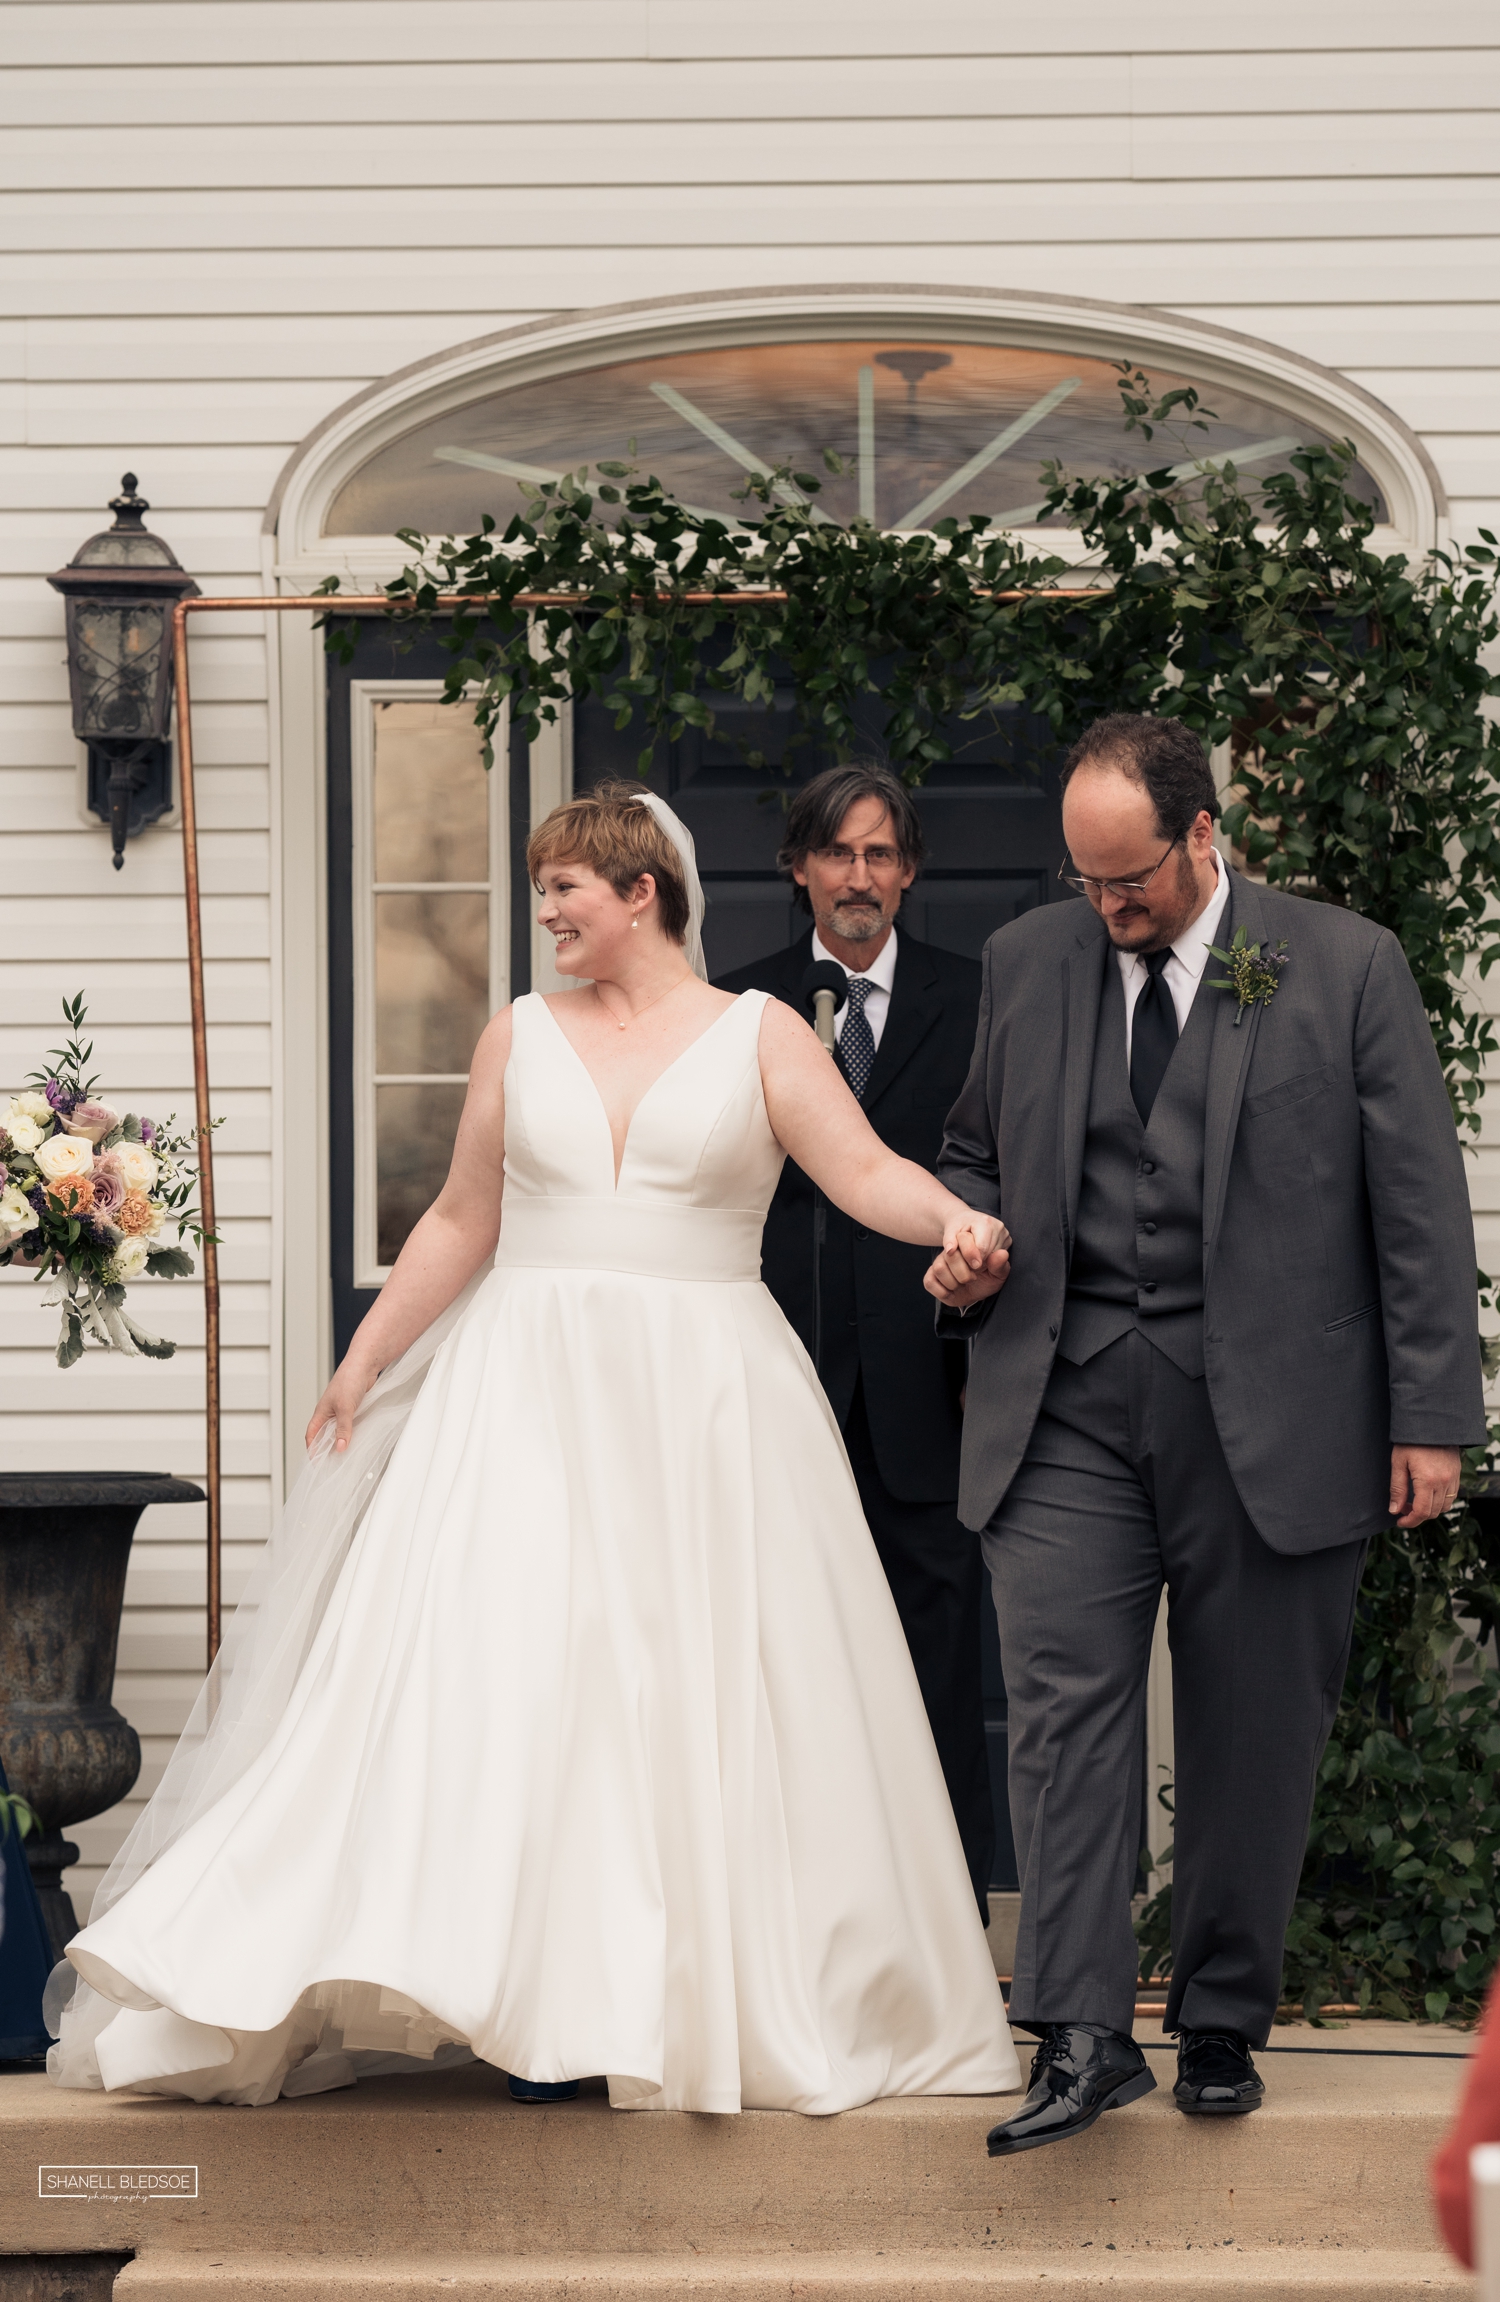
column 458, row 1232
column 815, row 1118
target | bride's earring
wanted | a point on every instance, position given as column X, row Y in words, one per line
column 635, row 923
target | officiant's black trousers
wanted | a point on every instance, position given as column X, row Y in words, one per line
column 933, row 1565
column 1124, row 1487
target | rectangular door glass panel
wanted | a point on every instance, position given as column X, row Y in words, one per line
column 432, row 979
column 414, row 1130
column 431, row 794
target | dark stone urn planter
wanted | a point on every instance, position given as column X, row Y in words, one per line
column 64, row 1548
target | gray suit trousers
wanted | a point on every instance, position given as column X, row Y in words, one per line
column 1124, row 1488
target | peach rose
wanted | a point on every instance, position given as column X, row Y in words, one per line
column 73, row 1193
column 135, row 1215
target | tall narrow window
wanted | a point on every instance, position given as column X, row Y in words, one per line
column 430, row 949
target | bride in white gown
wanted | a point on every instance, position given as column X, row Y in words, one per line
column 568, row 1721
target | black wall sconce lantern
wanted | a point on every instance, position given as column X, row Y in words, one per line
column 120, row 590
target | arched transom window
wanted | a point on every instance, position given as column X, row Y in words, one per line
column 925, row 428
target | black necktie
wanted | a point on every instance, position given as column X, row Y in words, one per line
column 1153, row 1034
column 857, row 1040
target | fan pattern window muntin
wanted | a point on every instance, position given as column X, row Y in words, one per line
column 929, row 430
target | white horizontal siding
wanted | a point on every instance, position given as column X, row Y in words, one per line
column 167, row 33
column 985, row 250
column 312, row 193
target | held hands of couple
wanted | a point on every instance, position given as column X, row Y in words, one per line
column 972, row 1264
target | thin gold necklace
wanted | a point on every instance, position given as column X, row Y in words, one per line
column 671, row 987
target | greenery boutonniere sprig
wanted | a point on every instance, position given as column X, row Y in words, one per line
column 1254, row 972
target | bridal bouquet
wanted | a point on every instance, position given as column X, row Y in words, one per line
column 89, row 1197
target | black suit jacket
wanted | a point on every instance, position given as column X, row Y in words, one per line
column 877, row 1321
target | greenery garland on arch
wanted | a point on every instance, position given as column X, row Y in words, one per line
column 1355, row 690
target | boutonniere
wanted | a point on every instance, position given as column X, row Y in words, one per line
column 1254, row 972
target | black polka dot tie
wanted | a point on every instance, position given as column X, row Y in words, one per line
column 857, row 1040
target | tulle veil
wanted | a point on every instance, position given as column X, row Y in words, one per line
column 266, row 1643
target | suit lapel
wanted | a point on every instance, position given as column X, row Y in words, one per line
column 1228, row 1063
column 916, row 1006
column 791, row 966
column 1083, row 985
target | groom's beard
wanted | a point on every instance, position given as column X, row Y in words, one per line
column 1155, row 926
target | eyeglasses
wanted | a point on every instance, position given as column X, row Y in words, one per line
column 844, row 858
column 1101, row 887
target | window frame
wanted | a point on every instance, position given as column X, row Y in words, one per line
column 365, row 695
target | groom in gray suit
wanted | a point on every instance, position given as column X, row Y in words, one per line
column 1238, row 1334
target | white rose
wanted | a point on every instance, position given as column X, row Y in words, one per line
column 136, row 1166
column 17, row 1216
column 63, row 1155
column 22, row 1130
column 127, row 1262
column 34, row 1105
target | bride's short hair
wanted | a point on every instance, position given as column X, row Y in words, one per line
column 608, row 829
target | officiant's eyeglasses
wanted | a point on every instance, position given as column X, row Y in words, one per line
column 874, row 858
column 1114, row 886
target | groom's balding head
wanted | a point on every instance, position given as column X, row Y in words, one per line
column 1138, row 808
column 1162, row 757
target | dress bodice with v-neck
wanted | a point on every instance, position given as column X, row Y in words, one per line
column 607, row 1618
column 698, row 1169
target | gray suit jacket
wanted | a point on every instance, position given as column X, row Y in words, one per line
column 1340, row 1313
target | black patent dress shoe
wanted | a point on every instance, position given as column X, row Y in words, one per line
column 1215, row 2075
column 1079, row 2071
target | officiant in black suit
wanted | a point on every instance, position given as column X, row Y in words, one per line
column 853, row 846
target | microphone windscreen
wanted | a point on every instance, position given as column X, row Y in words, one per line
column 825, row 975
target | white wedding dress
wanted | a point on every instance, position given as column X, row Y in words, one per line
column 570, row 1723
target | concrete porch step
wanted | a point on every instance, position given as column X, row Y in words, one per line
column 1289, row 2274
column 412, row 2185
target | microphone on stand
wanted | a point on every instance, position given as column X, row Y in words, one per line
column 825, row 989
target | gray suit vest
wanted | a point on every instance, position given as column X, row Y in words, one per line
column 1138, row 1239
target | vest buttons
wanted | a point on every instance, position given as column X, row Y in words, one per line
column 861, row 1236
column 1149, row 1229
column 1148, row 1166
column 1149, row 1287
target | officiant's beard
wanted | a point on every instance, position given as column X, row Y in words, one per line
column 856, row 919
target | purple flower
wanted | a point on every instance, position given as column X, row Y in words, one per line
column 4, row 1174
column 148, row 1131
column 62, row 1099
column 110, row 1187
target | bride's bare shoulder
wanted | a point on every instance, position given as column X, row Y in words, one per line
column 784, row 1036
column 492, row 1053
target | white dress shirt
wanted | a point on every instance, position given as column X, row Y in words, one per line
column 1184, row 969
column 880, row 975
